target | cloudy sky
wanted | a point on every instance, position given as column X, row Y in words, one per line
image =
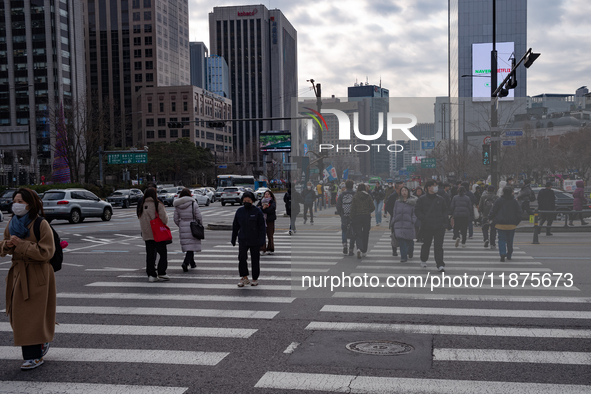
column 404, row 42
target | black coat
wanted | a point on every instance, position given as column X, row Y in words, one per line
column 270, row 211
column 432, row 212
column 505, row 211
column 390, row 201
column 461, row 207
column 309, row 196
column 546, row 200
column 249, row 227
column 441, row 192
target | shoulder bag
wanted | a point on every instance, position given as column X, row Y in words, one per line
column 197, row 229
column 160, row 231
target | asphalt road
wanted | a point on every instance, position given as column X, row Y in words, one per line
column 200, row 333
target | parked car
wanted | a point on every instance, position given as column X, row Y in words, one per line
column 74, row 205
column 166, row 196
column 6, row 200
column 206, row 192
column 125, row 198
column 260, row 192
column 232, row 195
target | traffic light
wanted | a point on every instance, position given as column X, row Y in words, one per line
column 530, row 59
column 486, row 154
column 176, row 125
column 211, row 125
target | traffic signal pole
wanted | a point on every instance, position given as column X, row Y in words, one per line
column 494, row 143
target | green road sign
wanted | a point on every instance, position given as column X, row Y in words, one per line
column 429, row 163
column 128, row 158
column 411, row 168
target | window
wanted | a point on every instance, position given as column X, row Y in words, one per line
column 138, row 78
column 135, row 4
column 150, row 122
column 149, row 65
column 161, row 133
column 186, row 133
column 149, row 108
column 161, row 107
column 136, row 16
column 137, row 65
column 137, row 41
column 173, row 106
column 185, row 106
column 210, row 136
column 161, row 122
column 137, row 28
column 137, row 53
column 148, row 28
column 147, row 3
column 174, row 134
column 148, row 40
column 149, row 77
column 149, row 52
column 149, row 133
column 147, row 15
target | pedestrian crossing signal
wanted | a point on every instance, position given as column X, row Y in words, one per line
column 486, row 154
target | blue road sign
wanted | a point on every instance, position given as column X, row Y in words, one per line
column 510, row 143
column 427, row 145
column 515, row 133
column 223, row 166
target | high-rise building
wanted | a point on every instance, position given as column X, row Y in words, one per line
column 376, row 101
column 132, row 44
column 198, row 54
column 217, row 79
column 470, row 45
column 41, row 70
column 260, row 48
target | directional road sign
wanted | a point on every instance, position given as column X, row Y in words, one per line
column 128, row 158
column 429, row 163
column 514, row 133
column 510, row 143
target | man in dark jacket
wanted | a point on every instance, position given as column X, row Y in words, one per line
column 525, row 196
column 432, row 212
column 474, row 204
column 249, row 228
column 292, row 200
column 506, row 215
column 309, row 196
column 547, row 202
column 442, row 191
column 344, row 203
column 486, row 203
column 378, row 195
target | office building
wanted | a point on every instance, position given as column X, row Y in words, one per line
column 41, row 69
column 198, row 55
column 132, row 45
column 217, row 79
column 260, row 48
column 469, row 46
column 195, row 106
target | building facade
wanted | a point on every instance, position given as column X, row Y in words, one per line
column 260, row 48
column 133, row 44
column 194, row 106
column 41, row 71
column 198, row 55
column 217, row 79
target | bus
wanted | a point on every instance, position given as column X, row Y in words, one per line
column 373, row 180
column 236, row 180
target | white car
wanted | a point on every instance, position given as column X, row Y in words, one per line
column 206, row 192
column 260, row 192
column 201, row 198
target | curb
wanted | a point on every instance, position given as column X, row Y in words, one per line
column 219, row 226
column 577, row 229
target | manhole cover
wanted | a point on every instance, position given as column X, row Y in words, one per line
column 380, row 348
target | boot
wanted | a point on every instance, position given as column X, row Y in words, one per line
column 184, row 266
column 193, row 265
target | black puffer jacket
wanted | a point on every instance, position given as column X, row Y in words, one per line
column 505, row 210
column 546, row 200
column 249, row 227
column 432, row 212
column 270, row 211
column 461, row 207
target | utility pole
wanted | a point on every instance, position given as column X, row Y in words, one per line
column 494, row 144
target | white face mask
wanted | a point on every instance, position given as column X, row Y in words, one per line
column 309, row 187
column 435, row 189
column 19, row 209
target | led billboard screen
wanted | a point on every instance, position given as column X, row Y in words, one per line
column 481, row 68
column 275, row 142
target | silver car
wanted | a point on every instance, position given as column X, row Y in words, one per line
column 75, row 205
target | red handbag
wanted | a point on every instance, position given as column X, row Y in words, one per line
column 160, row 231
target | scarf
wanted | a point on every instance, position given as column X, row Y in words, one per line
column 18, row 226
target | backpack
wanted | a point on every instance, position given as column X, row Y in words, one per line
column 532, row 196
column 346, row 204
column 488, row 205
column 58, row 256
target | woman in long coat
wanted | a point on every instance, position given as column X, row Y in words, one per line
column 146, row 213
column 186, row 210
column 403, row 222
column 30, row 284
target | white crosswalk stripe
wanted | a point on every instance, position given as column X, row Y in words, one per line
column 86, row 388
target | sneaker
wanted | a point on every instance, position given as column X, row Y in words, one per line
column 463, row 245
column 359, row 254
column 163, row 277
column 503, row 258
column 254, row 282
column 378, row 224
column 351, row 252
column 470, row 237
column 395, row 253
column 424, row 264
column 263, row 253
column 271, row 253
column 410, row 255
column 440, row 269
column 403, row 260
column 345, row 250
column 486, row 243
column 508, row 257
column 311, row 223
column 290, row 232
column 243, row 281
column 32, row 364
column 457, row 242
column 493, row 246
column 152, row 278
column 44, row 349
column 363, row 254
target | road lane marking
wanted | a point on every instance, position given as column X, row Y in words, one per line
column 377, row 385
column 134, row 311
column 208, row 277
column 177, row 357
column 176, row 297
column 168, row 285
column 512, row 356
column 541, row 314
column 291, row 348
column 463, row 297
column 86, row 388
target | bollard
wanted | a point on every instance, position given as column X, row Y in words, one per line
column 536, row 229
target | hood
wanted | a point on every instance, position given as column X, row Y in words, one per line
column 580, row 184
column 183, row 202
column 411, row 200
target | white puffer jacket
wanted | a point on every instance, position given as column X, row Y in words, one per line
column 184, row 208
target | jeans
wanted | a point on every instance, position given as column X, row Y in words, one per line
column 153, row 247
column 378, row 205
column 470, row 228
column 344, row 224
column 461, row 228
column 243, row 260
column 362, row 225
column 32, row 352
column 270, row 247
column 506, row 242
column 428, row 237
column 308, row 207
column 407, row 246
column 489, row 228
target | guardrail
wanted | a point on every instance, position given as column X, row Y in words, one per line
column 537, row 227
